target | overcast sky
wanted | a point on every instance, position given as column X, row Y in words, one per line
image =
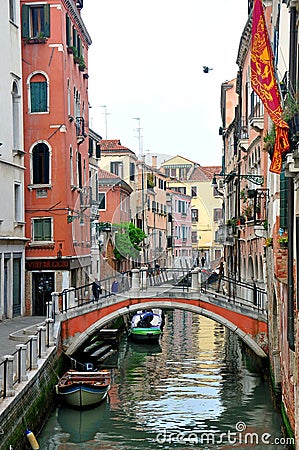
column 146, row 61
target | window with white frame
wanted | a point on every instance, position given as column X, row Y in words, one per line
column 40, row 164
column 18, row 202
column 16, row 111
column 102, row 201
column 12, row 11
column 42, row 230
column 39, row 95
column 35, row 21
column 116, row 167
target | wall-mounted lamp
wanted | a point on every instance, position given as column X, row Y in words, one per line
column 255, row 179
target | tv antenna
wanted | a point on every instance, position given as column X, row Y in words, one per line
column 106, row 114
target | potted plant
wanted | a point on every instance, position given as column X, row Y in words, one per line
column 248, row 212
column 243, row 195
column 269, row 242
column 283, row 241
column 269, row 141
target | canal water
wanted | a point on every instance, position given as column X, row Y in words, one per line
column 196, row 389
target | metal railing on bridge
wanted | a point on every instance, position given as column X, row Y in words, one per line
column 153, row 279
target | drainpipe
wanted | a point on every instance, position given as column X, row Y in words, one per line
column 292, row 78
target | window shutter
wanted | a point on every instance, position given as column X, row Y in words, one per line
column 283, row 200
column 74, row 37
column 98, row 150
column 68, row 31
column 38, row 95
column 46, row 165
column 25, row 21
column 47, row 20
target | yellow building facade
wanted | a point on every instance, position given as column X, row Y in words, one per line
column 192, row 179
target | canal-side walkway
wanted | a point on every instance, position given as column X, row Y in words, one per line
column 11, row 326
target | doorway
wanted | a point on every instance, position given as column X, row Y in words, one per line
column 42, row 287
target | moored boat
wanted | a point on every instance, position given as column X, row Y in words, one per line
column 83, row 389
column 147, row 325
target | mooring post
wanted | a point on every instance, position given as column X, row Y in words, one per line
column 22, row 349
column 8, row 377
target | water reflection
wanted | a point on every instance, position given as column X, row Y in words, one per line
column 196, row 381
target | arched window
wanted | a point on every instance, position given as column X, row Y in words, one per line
column 40, row 164
column 16, row 116
column 68, row 97
column 38, row 93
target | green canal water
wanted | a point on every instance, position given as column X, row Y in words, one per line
column 196, row 389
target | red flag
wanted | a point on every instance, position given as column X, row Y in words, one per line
column 264, row 83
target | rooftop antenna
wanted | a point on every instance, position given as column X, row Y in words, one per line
column 106, row 114
column 139, row 136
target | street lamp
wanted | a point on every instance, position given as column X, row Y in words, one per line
column 255, row 179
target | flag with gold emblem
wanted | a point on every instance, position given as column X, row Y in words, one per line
column 264, row 83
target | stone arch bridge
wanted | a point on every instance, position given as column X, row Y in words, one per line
column 246, row 320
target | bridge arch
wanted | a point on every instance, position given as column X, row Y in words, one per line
column 79, row 340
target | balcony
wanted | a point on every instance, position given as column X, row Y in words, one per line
column 256, row 118
column 80, row 133
column 243, row 133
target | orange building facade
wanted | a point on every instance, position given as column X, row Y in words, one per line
column 55, row 55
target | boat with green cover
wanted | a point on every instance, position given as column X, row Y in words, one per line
column 147, row 325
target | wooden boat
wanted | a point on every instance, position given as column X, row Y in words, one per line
column 83, row 389
column 147, row 325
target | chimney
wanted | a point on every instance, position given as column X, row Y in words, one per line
column 154, row 161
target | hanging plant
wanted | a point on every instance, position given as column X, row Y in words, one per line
column 269, row 141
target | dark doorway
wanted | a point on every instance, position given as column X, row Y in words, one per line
column 42, row 287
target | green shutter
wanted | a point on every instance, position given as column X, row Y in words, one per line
column 47, row 229
column 283, row 200
column 79, row 48
column 74, row 37
column 25, row 21
column 98, row 150
column 38, row 96
column 68, row 31
column 47, row 20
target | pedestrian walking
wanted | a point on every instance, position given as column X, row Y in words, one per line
column 96, row 289
column 114, row 286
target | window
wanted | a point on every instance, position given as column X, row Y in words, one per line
column 182, row 207
column 182, row 190
column 16, row 116
column 184, row 232
column 194, row 215
column 193, row 191
column 117, row 168
column 217, row 214
column 68, row 30
column 132, row 171
column 12, row 10
column 42, row 229
column 40, row 164
column 283, row 200
column 102, row 200
column 71, row 166
column 35, row 21
column 18, row 202
column 38, row 93
column 194, row 237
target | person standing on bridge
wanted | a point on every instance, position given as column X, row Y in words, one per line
column 96, row 289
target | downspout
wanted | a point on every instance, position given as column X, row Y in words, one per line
column 292, row 85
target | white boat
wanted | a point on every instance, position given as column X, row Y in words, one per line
column 147, row 325
column 83, row 389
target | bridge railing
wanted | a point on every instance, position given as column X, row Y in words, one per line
column 147, row 279
column 236, row 291
column 72, row 298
